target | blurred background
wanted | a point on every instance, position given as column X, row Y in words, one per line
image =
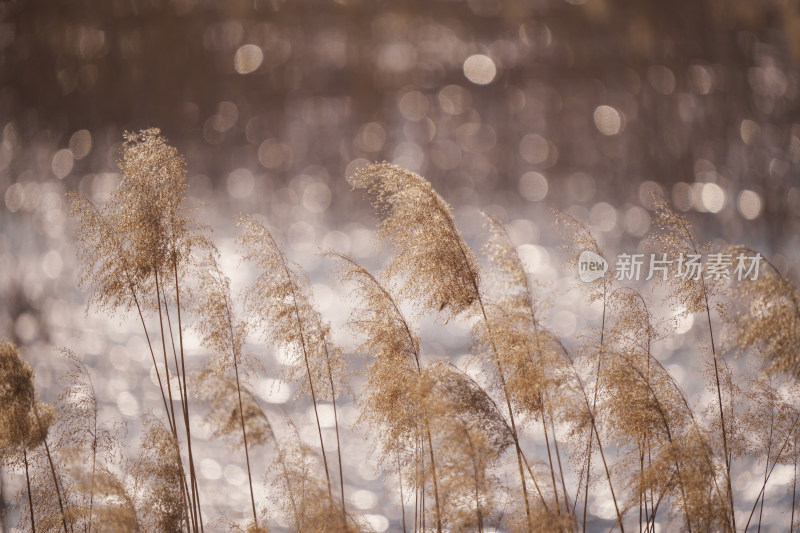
column 589, row 106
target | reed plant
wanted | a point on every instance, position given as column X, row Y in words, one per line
column 618, row 429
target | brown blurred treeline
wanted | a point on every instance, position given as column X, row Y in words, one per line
column 684, row 74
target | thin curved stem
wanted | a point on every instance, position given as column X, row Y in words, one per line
column 185, row 394
column 244, row 438
column 594, row 406
column 336, row 425
column 402, row 499
column 171, row 410
column 28, row 486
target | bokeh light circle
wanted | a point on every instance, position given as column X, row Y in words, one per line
column 480, row 69
column 247, row 59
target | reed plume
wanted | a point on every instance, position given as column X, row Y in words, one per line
column 522, row 342
column 115, row 511
column 579, row 239
column 768, row 319
column 766, row 322
column 301, row 494
column 144, row 230
column 647, row 416
column 391, row 397
column 17, row 394
column 29, row 423
column 86, row 444
column 224, row 333
column 435, row 268
column 694, row 293
column 135, row 249
column 578, row 410
column 158, row 479
column 471, row 434
column 279, row 305
column 768, row 428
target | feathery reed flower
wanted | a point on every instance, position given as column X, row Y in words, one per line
column 437, row 270
column 225, row 334
column 278, row 304
column 770, row 320
column 695, row 293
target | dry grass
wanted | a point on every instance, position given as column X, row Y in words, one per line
column 608, row 410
